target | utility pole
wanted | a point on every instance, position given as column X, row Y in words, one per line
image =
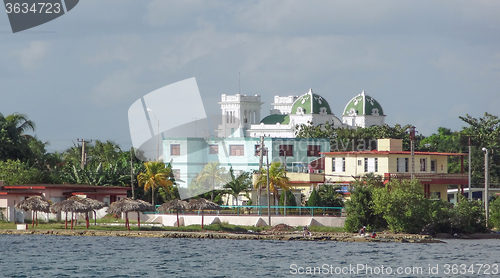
column 486, row 193
column 412, row 149
column 261, row 161
column 132, row 171
column 84, row 155
column 470, row 169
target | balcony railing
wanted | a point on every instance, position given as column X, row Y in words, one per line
column 440, row 178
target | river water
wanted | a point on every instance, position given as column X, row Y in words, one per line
column 74, row 256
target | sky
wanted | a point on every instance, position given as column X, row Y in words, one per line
column 426, row 62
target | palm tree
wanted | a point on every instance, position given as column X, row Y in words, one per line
column 238, row 184
column 212, row 175
column 156, row 174
column 331, row 195
column 277, row 179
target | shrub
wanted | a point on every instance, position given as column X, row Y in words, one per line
column 360, row 212
column 314, row 199
column 403, row 205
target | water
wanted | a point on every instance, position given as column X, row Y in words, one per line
column 73, row 256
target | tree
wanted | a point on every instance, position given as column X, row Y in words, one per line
column 331, row 195
column 212, row 175
column 14, row 172
column 484, row 132
column 359, row 207
column 290, row 199
column 403, row 205
column 314, row 199
column 277, row 179
column 156, row 174
column 353, row 139
column 238, row 184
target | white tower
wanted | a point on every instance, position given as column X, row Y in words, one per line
column 238, row 113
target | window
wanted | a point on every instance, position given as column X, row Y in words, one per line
column 313, row 150
column 257, row 151
column 286, row 150
column 213, row 149
column 175, row 149
column 422, row 165
column 236, row 150
column 338, row 164
column 359, row 162
column 402, row 165
column 177, row 174
column 435, row 195
column 433, row 166
column 371, row 164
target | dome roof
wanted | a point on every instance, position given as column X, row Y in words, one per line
column 276, row 118
column 363, row 104
column 311, row 103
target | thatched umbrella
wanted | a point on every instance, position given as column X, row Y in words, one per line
column 68, row 206
column 144, row 206
column 91, row 205
column 127, row 205
column 202, row 204
column 35, row 204
column 174, row 204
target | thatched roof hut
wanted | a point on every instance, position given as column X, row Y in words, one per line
column 202, row 204
column 174, row 205
column 92, row 205
column 69, row 205
column 35, row 204
column 127, row 205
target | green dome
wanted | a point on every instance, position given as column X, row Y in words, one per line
column 311, row 103
column 363, row 104
column 276, row 118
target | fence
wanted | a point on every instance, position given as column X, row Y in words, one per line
column 275, row 210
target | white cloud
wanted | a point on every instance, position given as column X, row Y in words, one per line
column 31, row 57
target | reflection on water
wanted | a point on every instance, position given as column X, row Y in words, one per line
column 64, row 256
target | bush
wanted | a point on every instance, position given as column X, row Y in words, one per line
column 495, row 213
column 403, row 205
column 360, row 212
column 290, row 199
column 314, row 199
column 470, row 217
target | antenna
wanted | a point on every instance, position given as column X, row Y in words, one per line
column 239, row 82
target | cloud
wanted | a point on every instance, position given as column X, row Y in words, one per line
column 31, row 57
column 116, row 86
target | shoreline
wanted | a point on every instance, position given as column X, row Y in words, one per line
column 282, row 236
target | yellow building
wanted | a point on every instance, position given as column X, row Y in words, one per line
column 391, row 162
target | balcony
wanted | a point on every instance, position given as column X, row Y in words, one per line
column 431, row 178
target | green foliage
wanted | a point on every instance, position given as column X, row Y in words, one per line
column 314, row 199
column 495, row 212
column 331, row 195
column 360, row 212
column 403, row 205
column 469, row 217
column 356, row 139
column 290, row 199
column 238, row 184
column 277, row 179
column 14, row 172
